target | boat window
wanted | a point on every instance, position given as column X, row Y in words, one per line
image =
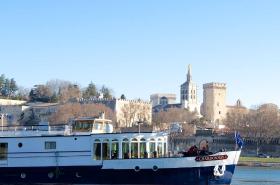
column 165, row 149
column 115, row 149
column 152, row 148
column 97, row 150
column 50, row 145
column 125, row 149
column 3, row 151
column 159, row 149
column 106, row 149
column 134, row 148
column 143, row 150
column 82, row 126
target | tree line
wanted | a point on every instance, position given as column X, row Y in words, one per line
column 262, row 125
column 8, row 87
column 52, row 91
column 188, row 120
column 63, row 91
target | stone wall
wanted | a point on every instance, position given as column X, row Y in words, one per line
column 138, row 110
column 11, row 102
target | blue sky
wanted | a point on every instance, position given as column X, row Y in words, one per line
column 143, row 47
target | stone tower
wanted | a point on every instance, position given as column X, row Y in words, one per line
column 214, row 102
column 189, row 93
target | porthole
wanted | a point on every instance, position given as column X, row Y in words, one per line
column 137, row 168
column 155, row 168
column 23, row 175
column 78, row 175
column 50, row 175
column 19, row 145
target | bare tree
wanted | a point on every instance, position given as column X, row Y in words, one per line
column 129, row 113
column 22, row 93
column 70, row 92
column 135, row 111
column 173, row 115
column 237, row 120
column 260, row 125
column 69, row 111
column 56, row 84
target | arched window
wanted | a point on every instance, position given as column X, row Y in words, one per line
column 106, row 149
column 163, row 101
column 125, row 149
column 153, row 152
column 143, row 149
column 159, row 147
column 115, row 149
column 134, row 148
column 97, row 150
column 165, row 148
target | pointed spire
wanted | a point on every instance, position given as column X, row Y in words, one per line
column 189, row 75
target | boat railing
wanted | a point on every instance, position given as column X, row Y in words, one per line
column 35, row 129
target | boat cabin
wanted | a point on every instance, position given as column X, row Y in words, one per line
column 130, row 146
column 92, row 125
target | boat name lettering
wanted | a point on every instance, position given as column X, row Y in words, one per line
column 211, row 158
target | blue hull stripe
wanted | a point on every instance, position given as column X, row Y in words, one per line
column 96, row 175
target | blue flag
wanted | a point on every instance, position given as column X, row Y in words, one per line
column 238, row 140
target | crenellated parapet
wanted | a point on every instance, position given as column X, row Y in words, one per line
column 214, row 85
column 134, row 101
column 102, row 100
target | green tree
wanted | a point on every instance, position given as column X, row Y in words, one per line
column 13, row 86
column 40, row 93
column 91, row 91
column 107, row 93
column 2, row 81
column 123, row 97
column 6, row 88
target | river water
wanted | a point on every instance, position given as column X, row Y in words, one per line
column 256, row 176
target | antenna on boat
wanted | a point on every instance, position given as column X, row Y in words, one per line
column 139, row 123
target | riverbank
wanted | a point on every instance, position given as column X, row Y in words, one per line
column 259, row 162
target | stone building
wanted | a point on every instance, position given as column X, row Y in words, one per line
column 43, row 111
column 162, row 99
column 188, row 97
column 238, row 107
column 214, row 106
column 128, row 112
column 10, row 111
column 189, row 94
column 4, row 102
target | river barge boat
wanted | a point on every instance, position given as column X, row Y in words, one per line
column 89, row 152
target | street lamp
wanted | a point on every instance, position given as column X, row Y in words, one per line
column 140, row 122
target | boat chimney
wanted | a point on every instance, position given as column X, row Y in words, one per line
column 102, row 115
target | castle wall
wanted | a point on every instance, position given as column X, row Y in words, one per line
column 11, row 102
column 128, row 112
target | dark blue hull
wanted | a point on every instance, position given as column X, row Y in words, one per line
column 96, row 175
